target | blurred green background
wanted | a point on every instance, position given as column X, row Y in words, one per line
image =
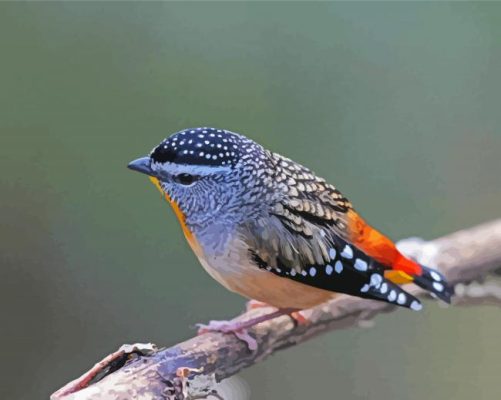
column 398, row 104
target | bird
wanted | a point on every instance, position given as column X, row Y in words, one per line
column 271, row 230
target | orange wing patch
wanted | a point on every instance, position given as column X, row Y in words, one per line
column 379, row 247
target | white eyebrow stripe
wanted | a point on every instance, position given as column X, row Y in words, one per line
column 176, row 169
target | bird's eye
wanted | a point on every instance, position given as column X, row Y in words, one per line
column 185, row 179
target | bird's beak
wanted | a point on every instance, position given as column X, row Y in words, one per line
column 142, row 165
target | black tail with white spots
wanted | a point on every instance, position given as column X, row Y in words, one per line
column 435, row 283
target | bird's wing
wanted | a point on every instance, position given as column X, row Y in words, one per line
column 306, row 238
column 321, row 260
column 310, row 198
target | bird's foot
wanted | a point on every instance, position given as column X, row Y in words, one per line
column 239, row 328
column 299, row 318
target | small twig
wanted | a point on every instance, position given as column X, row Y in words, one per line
column 463, row 257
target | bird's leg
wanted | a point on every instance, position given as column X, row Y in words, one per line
column 296, row 315
column 255, row 304
column 239, row 328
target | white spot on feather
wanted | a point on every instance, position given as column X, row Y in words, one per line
column 332, row 253
column 347, row 252
column 438, row 286
column 360, row 264
column 435, row 275
column 376, row 280
column 365, row 288
column 338, row 267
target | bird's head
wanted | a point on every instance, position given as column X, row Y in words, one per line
column 207, row 174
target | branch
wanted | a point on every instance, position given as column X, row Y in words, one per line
column 463, row 257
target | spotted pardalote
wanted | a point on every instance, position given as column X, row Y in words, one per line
column 270, row 229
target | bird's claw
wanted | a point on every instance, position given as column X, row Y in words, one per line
column 299, row 318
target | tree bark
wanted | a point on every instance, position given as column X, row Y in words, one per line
column 191, row 369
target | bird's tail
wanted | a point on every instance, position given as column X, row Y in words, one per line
column 398, row 268
column 407, row 271
column 434, row 282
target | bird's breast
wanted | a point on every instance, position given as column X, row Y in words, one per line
column 226, row 258
column 235, row 270
column 223, row 257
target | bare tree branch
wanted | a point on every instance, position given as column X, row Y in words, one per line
column 463, row 257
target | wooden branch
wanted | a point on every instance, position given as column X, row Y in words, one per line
column 465, row 256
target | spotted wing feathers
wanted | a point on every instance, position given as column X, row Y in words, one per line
column 308, row 197
column 308, row 238
column 327, row 262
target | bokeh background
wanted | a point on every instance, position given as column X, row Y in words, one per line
column 398, row 104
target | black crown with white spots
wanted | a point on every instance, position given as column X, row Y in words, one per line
column 201, row 146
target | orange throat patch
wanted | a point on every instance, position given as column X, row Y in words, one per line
column 180, row 216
